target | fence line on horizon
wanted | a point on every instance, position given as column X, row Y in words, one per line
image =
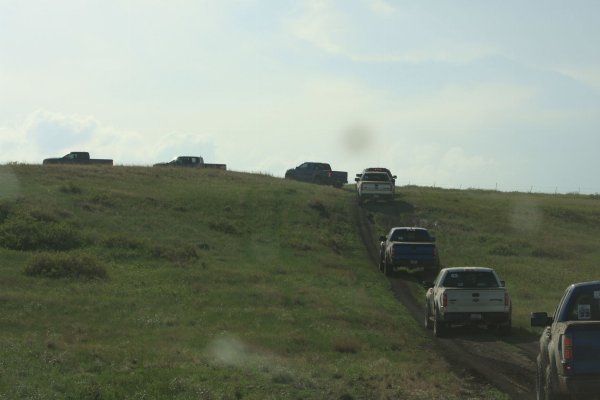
column 580, row 190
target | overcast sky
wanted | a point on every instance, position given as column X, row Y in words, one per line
column 448, row 93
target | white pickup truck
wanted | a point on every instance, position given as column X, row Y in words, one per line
column 467, row 296
column 374, row 185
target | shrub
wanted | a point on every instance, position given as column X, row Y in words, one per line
column 23, row 232
column 71, row 188
column 122, row 242
column 346, row 345
column 61, row 265
column 223, row 227
column 318, row 206
column 180, row 254
column 503, row 250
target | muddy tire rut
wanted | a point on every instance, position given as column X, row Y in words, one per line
column 506, row 363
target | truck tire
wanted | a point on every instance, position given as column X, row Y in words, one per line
column 388, row 270
column 550, row 384
column 540, row 393
column 428, row 323
column 439, row 327
column 505, row 328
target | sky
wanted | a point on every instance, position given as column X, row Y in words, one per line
column 460, row 94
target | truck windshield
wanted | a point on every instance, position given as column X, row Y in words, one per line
column 470, row 279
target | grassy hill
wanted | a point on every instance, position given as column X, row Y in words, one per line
column 145, row 283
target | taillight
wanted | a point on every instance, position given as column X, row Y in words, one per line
column 567, row 352
column 506, row 299
column 445, row 299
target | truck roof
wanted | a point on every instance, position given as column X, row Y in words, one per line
column 584, row 284
column 482, row 269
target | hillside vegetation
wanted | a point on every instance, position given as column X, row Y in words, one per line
column 146, row 283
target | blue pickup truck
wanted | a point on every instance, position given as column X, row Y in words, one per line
column 568, row 364
column 408, row 247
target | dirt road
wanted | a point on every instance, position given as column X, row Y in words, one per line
column 506, row 363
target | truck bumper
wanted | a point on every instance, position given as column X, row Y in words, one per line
column 412, row 263
column 376, row 196
column 476, row 318
column 579, row 385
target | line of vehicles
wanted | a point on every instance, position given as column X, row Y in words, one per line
column 372, row 183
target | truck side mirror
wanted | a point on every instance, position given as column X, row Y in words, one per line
column 382, row 238
column 541, row 319
column 356, row 179
column 502, row 284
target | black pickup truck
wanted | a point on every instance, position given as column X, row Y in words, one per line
column 317, row 172
column 568, row 364
column 190, row 162
column 408, row 247
column 77, row 157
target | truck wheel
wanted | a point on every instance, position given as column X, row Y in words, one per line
column 439, row 327
column 428, row 323
column 550, row 385
column 540, row 394
column 388, row 270
column 505, row 328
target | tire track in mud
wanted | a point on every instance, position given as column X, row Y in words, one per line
column 508, row 367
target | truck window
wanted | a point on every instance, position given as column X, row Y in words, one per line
column 471, row 279
column 410, row 236
column 585, row 306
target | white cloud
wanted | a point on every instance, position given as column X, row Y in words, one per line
column 380, row 33
column 45, row 134
column 589, row 75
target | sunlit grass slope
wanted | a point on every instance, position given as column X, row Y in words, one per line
column 145, row 283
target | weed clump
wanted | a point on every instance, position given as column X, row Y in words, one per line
column 61, row 265
column 318, row 206
column 346, row 345
column 176, row 254
column 71, row 188
column 223, row 227
column 24, row 232
column 503, row 250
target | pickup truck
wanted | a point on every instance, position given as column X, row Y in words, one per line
column 317, row 172
column 77, row 157
column 467, row 296
column 374, row 185
column 378, row 169
column 568, row 363
column 190, row 162
column 409, row 247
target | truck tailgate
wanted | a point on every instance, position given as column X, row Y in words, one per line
column 586, row 347
column 476, row 300
column 379, row 187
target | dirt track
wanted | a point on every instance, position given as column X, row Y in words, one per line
column 506, row 363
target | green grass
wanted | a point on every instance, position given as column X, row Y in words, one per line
column 213, row 285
